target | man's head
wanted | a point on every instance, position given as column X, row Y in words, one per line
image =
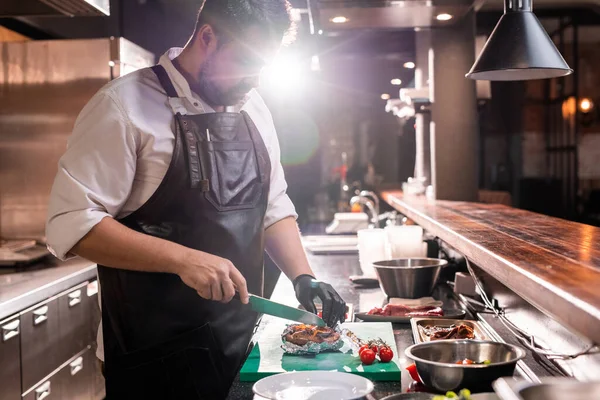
column 235, row 39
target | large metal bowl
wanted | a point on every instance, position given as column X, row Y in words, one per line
column 437, row 368
column 548, row 389
column 409, row 278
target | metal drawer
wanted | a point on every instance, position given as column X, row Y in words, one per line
column 76, row 377
column 40, row 339
column 10, row 371
column 74, row 317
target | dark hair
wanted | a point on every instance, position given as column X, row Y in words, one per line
column 231, row 18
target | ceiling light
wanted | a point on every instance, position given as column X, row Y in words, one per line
column 385, row 96
column 586, row 105
column 409, row 65
column 443, row 17
column 339, row 20
column 519, row 49
column 396, row 82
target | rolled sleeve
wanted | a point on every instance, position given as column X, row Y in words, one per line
column 94, row 175
column 280, row 206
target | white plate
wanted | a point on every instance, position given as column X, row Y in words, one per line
column 313, row 385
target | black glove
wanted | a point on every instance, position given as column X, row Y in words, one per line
column 334, row 307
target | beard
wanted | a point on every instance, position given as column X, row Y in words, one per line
column 214, row 95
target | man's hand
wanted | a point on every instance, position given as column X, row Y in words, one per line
column 213, row 277
column 308, row 288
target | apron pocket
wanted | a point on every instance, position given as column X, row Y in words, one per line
column 233, row 174
column 186, row 367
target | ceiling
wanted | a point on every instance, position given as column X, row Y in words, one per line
column 408, row 14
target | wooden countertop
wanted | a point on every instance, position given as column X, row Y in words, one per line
column 552, row 263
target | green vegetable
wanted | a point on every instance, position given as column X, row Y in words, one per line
column 486, row 362
column 465, row 394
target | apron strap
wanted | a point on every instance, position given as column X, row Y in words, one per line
column 164, row 80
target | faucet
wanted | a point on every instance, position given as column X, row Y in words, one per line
column 372, row 195
column 366, row 202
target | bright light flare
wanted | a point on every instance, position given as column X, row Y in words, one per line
column 339, row 19
column 285, row 75
column 444, row 17
column 586, row 105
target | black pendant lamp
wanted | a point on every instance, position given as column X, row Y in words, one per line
column 519, row 49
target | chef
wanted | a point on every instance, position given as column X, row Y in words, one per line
column 176, row 200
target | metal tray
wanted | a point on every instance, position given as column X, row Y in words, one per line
column 452, row 313
column 417, row 325
column 23, row 257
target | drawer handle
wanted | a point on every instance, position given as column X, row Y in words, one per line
column 43, row 391
column 40, row 315
column 92, row 288
column 74, row 298
column 76, row 366
column 10, row 330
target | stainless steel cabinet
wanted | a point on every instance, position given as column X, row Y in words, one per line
column 74, row 321
column 48, row 350
column 40, row 341
column 10, row 370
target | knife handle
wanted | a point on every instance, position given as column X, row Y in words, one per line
column 237, row 296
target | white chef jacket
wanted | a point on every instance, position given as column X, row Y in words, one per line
column 121, row 148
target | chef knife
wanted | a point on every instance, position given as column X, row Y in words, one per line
column 264, row 306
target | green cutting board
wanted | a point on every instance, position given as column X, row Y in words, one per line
column 267, row 357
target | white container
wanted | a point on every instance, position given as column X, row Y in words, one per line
column 372, row 247
column 406, row 241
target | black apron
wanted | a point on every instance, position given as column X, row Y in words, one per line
column 161, row 339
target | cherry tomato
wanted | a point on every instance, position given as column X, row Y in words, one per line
column 367, row 357
column 386, row 354
column 363, row 348
column 375, row 349
column 412, row 370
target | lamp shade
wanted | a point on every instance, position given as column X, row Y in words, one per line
column 519, row 49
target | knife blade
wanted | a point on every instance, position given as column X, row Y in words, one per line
column 264, row 306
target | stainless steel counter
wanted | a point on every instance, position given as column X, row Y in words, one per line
column 20, row 289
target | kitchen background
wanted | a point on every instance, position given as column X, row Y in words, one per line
column 539, row 141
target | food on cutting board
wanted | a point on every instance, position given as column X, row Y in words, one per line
column 468, row 361
column 310, row 339
column 464, row 394
column 369, row 351
column 398, row 310
column 302, row 334
column 460, row 331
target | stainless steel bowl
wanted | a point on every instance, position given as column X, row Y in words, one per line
column 548, row 389
column 437, row 368
column 409, row 278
